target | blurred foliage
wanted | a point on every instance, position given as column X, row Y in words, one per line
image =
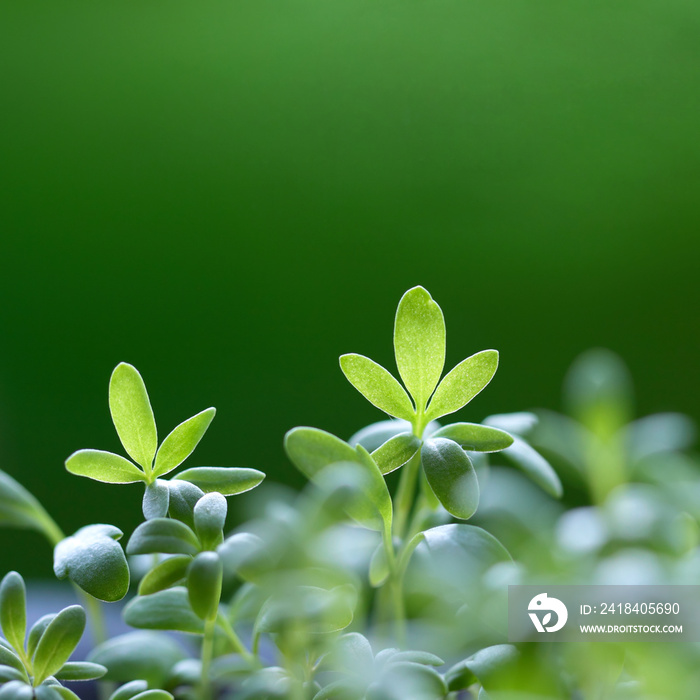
column 241, row 189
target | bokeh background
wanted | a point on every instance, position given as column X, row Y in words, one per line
column 229, row 195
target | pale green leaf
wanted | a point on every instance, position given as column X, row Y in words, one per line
column 310, row 450
column 377, row 385
column 463, row 383
column 244, row 554
column 13, row 609
column 163, row 536
column 8, row 673
column 94, row 560
column 145, row 655
column 80, row 671
column 164, row 575
column 520, row 422
column 482, row 666
column 132, row 414
column 419, row 343
column 204, row 580
column 210, row 519
column 165, row 610
column 66, row 693
column 451, row 476
column 396, row 452
column 376, row 434
column 38, row 628
column 224, row 480
column 16, row 690
column 378, row 567
column 9, row 658
column 58, row 642
column 180, row 444
column 417, row 657
column 535, row 466
column 154, row 694
column 156, row 499
column 183, row 498
column 475, row 437
column 104, row 466
column 18, row 508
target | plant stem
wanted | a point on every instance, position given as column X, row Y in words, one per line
column 207, row 656
column 405, row 495
column 235, row 640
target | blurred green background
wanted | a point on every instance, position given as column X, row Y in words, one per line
column 229, row 195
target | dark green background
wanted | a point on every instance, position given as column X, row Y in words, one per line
column 229, row 195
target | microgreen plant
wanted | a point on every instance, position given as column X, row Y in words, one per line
column 344, row 591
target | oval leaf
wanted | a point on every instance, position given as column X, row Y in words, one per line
column 13, row 609
column 38, row 628
column 164, row 575
column 145, row 655
column 9, row 658
column 224, row 480
column 180, row 444
column 396, row 452
column 166, row 610
column 156, row 500
column 80, row 671
column 58, row 642
column 475, row 438
column 104, row 466
column 463, row 383
column 376, row 434
column 535, row 466
column 419, row 343
column 311, row 449
column 155, row 694
column 132, row 414
column 482, row 666
column 377, row 385
column 210, row 519
column 94, row 561
column 183, row 498
column 451, row 476
column 163, row 536
column 16, row 690
column 204, row 580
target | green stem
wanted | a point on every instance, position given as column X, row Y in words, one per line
column 405, row 495
column 207, row 656
column 235, row 640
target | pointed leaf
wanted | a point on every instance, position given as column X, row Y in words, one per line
column 104, row 466
column 377, row 385
column 474, row 437
column 535, row 466
column 419, row 343
column 67, row 693
column 38, row 628
column 58, row 642
column 163, row 536
column 13, row 609
column 225, row 480
column 463, row 383
column 166, row 610
column 204, row 580
column 180, row 444
column 156, row 500
column 451, row 476
column 164, row 575
column 18, row 508
column 210, row 519
column 144, row 655
column 94, row 560
column 80, row 671
column 132, row 414
column 396, row 452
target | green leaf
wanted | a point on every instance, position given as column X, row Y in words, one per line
column 104, row 466
column 10, row 658
column 156, row 499
column 378, row 567
column 535, row 466
column 451, row 476
column 94, row 560
column 80, row 671
column 475, row 437
column 129, row 690
column 210, row 519
column 144, row 654
column 180, row 444
column 310, row 450
column 204, row 580
column 520, row 423
column 18, row 508
column 225, row 480
column 376, row 434
column 396, row 452
column 482, row 666
column 16, row 690
column 244, row 554
column 377, row 385
column 419, row 344
column 463, row 383
column 13, row 609
column 58, row 642
column 183, row 498
column 132, row 414
column 407, row 679
column 164, row 575
column 165, row 610
column 38, row 628
column 48, row 691
column 8, row 673
column 66, row 693
column 163, row 536
column 154, row 694
column 417, row 657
